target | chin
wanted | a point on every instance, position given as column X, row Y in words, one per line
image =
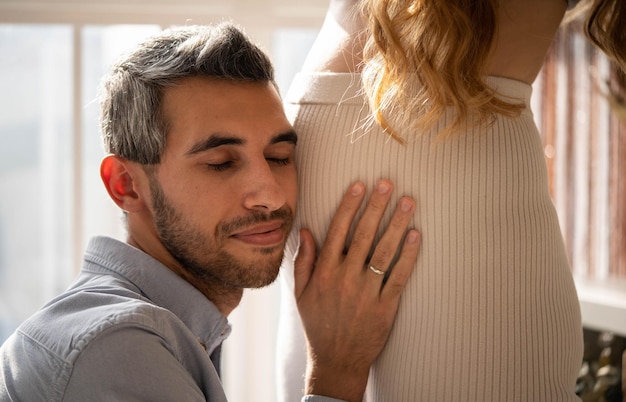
column 257, row 278
column 266, row 274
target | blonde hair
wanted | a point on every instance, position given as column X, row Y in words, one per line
column 427, row 56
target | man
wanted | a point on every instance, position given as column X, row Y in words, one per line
column 200, row 159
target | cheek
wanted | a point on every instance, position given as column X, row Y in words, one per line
column 201, row 206
column 206, row 216
column 290, row 186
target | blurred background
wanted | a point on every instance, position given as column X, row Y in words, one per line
column 52, row 55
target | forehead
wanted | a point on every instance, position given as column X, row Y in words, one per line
column 198, row 108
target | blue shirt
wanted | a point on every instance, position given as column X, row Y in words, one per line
column 128, row 329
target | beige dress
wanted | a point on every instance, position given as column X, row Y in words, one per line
column 490, row 312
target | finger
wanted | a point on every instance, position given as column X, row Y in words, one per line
column 342, row 220
column 399, row 275
column 392, row 239
column 304, row 264
column 368, row 224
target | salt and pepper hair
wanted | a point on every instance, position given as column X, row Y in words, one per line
column 132, row 122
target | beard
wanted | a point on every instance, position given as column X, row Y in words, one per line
column 205, row 258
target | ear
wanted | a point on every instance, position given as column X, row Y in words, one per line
column 120, row 180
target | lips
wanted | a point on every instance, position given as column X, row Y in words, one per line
column 265, row 234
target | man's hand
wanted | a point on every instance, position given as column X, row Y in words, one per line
column 346, row 307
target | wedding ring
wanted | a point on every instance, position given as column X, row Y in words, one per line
column 376, row 270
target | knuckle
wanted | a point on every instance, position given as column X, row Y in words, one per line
column 400, row 278
column 399, row 222
column 377, row 205
column 382, row 256
column 333, row 235
column 361, row 237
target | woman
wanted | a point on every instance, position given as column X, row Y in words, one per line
column 439, row 102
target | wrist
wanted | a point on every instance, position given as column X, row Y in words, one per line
column 343, row 383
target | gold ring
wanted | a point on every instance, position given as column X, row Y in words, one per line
column 376, row 270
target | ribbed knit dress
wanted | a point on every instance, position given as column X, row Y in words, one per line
column 490, row 312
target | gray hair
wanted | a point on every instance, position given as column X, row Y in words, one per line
column 131, row 122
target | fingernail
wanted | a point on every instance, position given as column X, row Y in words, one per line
column 412, row 237
column 383, row 187
column 406, row 205
column 357, row 189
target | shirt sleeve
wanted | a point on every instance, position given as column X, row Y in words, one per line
column 131, row 363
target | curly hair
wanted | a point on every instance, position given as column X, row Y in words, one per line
column 426, row 56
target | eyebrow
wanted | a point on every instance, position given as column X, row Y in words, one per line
column 219, row 140
column 290, row 137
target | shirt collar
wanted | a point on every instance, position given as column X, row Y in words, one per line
column 163, row 287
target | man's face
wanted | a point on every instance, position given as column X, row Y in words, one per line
column 224, row 195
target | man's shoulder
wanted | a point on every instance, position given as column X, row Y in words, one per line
column 46, row 346
column 88, row 330
column 72, row 320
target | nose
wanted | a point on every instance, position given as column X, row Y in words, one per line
column 263, row 191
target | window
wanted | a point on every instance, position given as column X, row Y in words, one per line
column 49, row 162
column 585, row 147
column 35, row 168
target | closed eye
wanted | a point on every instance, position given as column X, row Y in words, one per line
column 220, row 167
column 279, row 161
